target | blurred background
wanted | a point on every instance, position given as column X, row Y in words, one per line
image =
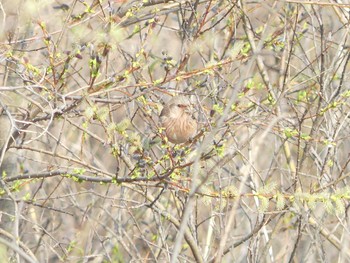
column 87, row 174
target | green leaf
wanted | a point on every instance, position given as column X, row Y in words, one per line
column 280, row 201
column 267, row 189
column 219, row 109
column 328, row 205
column 264, row 204
column 339, row 206
column 230, row 191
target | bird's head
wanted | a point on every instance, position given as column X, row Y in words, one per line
column 180, row 105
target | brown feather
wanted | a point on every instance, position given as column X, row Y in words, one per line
column 178, row 123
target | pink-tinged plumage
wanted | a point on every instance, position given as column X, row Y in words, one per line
column 177, row 120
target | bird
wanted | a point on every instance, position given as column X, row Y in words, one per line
column 178, row 122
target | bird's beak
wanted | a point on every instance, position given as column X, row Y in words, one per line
column 189, row 110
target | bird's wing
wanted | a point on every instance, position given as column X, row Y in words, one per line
column 165, row 111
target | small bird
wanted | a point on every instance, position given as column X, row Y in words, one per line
column 178, row 121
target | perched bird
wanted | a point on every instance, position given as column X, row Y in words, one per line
column 177, row 120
